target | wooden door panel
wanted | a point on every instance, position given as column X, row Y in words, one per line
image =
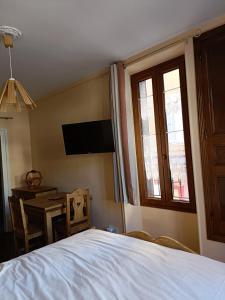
column 221, row 190
column 210, row 70
column 216, row 62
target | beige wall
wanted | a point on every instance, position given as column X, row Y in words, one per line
column 19, row 145
column 87, row 101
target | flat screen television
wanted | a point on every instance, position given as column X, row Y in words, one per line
column 88, row 137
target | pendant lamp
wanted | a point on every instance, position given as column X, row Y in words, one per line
column 13, row 93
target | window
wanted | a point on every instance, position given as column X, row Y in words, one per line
column 162, row 136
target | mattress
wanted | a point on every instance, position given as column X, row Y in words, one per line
column 100, row 265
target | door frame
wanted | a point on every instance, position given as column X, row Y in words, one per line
column 5, row 178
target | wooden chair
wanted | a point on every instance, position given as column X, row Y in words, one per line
column 172, row 243
column 162, row 240
column 22, row 229
column 141, row 235
column 77, row 214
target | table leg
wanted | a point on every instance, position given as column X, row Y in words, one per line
column 48, row 228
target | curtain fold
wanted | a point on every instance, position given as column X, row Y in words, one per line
column 119, row 175
column 124, row 191
column 131, row 141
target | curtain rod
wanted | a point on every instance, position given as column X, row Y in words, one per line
column 196, row 34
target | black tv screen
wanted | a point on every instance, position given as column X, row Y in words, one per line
column 88, row 137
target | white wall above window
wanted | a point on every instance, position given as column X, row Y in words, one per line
column 157, row 58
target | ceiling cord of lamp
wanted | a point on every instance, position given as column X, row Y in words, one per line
column 13, row 93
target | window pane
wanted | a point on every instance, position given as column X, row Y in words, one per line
column 175, row 135
column 149, row 138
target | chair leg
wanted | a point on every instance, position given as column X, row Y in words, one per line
column 55, row 235
column 40, row 241
column 16, row 247
column 26, row 244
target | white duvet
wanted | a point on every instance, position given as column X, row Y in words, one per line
column 101, row 265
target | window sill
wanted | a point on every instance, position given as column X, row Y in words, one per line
column 177, row 206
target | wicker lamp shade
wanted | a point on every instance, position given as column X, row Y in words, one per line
column 13, row 93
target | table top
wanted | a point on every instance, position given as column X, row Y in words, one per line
column 47, row 202
column 38, row 189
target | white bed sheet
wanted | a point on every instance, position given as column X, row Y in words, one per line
column 101, row 265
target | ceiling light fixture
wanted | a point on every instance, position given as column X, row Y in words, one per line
column 13, row 93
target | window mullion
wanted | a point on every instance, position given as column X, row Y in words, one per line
column 157, row 107
column 187, row 138
column 166, row 178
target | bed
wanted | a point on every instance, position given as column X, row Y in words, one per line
column 100, row 265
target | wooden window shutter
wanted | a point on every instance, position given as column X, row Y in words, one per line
column 210, row 76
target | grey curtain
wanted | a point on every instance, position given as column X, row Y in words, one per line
column 122, row 170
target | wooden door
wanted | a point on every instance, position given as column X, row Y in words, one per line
column 210, row 76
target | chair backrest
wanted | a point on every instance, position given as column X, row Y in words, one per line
column 171, row 243
column 141, row 235
column 162, row 240
column 18, row 215
column 77, row 208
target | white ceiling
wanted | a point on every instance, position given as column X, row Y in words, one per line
column 64, row 41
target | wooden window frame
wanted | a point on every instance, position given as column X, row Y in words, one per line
column 156, row 74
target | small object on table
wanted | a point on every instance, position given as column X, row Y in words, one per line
column 26, row 193
column 33, row 178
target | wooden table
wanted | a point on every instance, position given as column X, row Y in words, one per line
column 47, row 207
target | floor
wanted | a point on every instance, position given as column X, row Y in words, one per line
column 7, row 246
